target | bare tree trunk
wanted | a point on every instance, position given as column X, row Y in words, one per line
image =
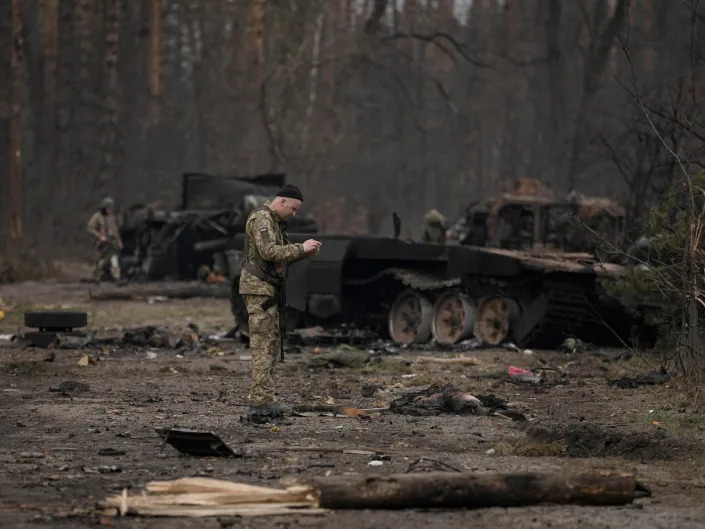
column 109, row 131
column 315, row 66
column 15, row 180
column 50, row 38
column 595, row 64
column 689, row 346
column 257, row 37
column 154, row 59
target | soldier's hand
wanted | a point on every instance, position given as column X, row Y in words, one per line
column 311, row 246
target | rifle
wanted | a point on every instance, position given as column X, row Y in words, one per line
column 282, row 320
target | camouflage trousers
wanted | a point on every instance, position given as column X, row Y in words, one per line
column 108, row 255
column 264, row 345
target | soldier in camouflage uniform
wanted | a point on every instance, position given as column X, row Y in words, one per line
column 267, row 253
column 434, row 229
column 104, row 229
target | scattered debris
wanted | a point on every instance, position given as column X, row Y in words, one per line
column 652, row 378
column 2, row 314
column 436, row 400
column 264, row 414
column 343, row 356
column 459, row 360
column 189, row 338
column 70, row 387
column 102, row 469
column 201, row 497
column 375, row 463
column 180, row 290
column 50, row 339
column 72, row 340
column 463, row 490
column 573, row 345
column 517, row 374
column 7, row 337
column 156, row 299
column 334, row 411
column 195, row 443
column 32, row 455
column 150, row 336
column 368, row 390
column 427, row 463
column 111, row 452
column 336, row 336
column 87, row 360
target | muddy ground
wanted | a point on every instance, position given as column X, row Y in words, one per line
column 52, row 473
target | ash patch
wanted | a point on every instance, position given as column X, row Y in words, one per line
column 587, row 440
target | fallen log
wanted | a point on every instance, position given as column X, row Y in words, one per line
column 182, row 290
column 460, row 360
column 461, row 490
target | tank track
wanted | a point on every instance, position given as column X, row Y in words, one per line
column 568, row 313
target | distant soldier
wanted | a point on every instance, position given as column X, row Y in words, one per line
column 267, row 254
column 434, row 228
column 104, row 229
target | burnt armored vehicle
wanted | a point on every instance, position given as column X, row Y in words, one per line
column 176, row 243
column 515, row 276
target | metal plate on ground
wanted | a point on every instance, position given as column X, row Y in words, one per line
column 196, row 443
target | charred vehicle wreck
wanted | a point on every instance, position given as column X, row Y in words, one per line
column 520, row 273
column 419, row 291
column 176, row 243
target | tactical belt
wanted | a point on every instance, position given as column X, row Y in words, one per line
column 261, row 274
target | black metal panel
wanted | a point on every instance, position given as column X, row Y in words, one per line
column 196, row 443
column 320, row 274
column 325, row 270
column 385, row 249
column 210, row 192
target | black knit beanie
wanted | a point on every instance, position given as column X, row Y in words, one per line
column 289, row 191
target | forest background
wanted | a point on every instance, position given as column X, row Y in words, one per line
column 370, row 106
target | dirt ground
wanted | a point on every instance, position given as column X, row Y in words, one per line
column 51, row 472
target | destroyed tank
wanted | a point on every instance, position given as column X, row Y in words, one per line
column 177, row 243
column 518, row 274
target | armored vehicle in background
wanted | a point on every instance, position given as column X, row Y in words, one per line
column 176, row 243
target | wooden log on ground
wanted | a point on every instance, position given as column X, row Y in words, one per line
column 462, row 490
column 461, row 360
column 181, row 290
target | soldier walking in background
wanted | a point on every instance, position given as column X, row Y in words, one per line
column 434, row 228
column 267, row 254
column 104, row 229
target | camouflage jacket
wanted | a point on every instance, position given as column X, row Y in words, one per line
column 266, row 248
column 105, row 225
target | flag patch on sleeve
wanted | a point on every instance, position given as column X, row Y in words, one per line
column 263, row 228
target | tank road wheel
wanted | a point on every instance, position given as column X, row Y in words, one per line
column 410, row 318
column 494, row 319
column 453, row 317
